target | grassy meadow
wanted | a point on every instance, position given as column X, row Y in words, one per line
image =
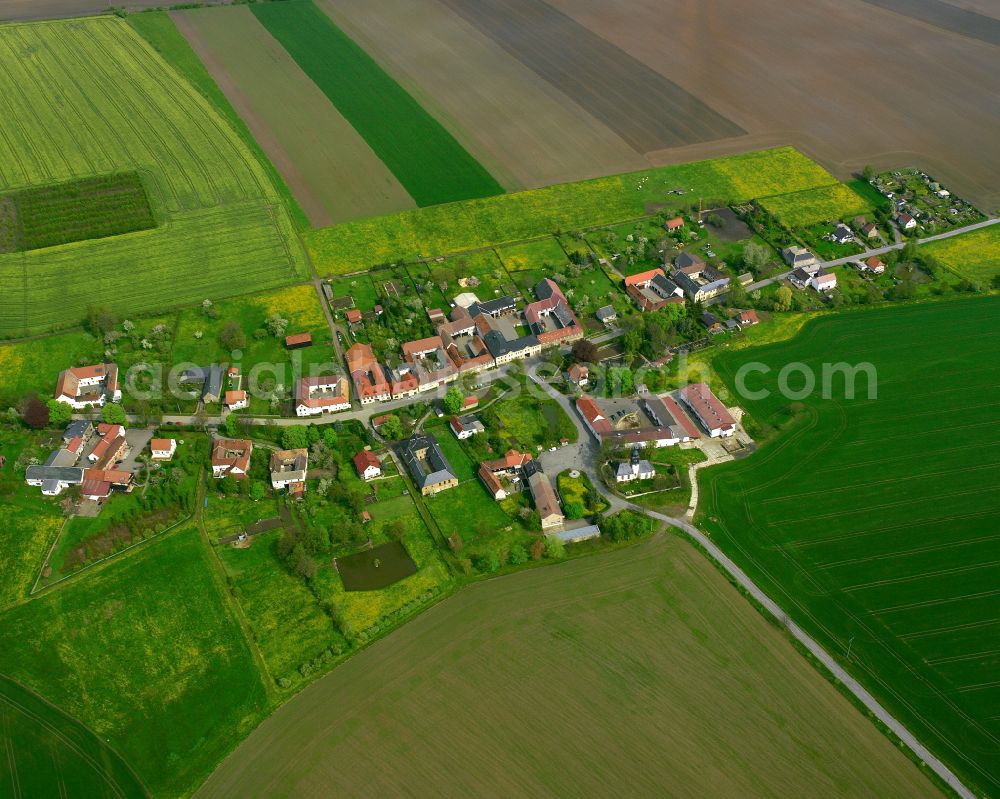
column 146, row 654
column 640, row 672
column 974, row 256
column 811, row 206
column 221, row 224
column 484, row 222
column 874, row 521
column 426, row 159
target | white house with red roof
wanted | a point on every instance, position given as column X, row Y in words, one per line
column 823, row 281
column 163, row 449
column 86, row 386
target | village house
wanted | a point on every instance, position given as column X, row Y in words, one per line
column 874, row 264
column 674, row 224
column 906, row 222
column 231, row 457
column 289, row 468
column 367, row 465
column 427, row 464
column 353, row 317
column 800, row 258
column 606, row 314
column 652, row 290
column 505, row 475
column 204, row 379
column 747, row 318
column 550, row 318
column 842, row 234
column 800, row 278
column 823, row 281
column 162, row 449
column 236, row 400
column 707, row 408
column 369, row 379
column 86, row 386
column 578, row 374
column 317, row 395
column 466, row 426
column 711, row 322
column 546, row 502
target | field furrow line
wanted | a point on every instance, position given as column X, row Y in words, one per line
column 928, row 603
column 921, row 576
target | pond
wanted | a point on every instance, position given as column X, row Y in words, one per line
column 376, row 568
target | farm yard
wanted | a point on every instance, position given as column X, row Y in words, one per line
column 427, row 160
column 334, row 174
column 651, row 633
column 874, row 522
column 485, row 222
column 223, row 227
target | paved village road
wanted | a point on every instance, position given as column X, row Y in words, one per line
column 743, row 580
column 875, row 251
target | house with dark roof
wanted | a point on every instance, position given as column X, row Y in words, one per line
column 466, row 426
column 427, row 464
column 205, row 379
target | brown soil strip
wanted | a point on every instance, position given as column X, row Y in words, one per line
column 646, row 109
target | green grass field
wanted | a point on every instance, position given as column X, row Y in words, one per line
column 875, row 522
column 485, row 222
column 532, row 255
column 432, row 166
column 30, row 526
column 641, row 672
column 289, row 626
column 91, row 98
column 467, row 510
column 146, row 654
column 51, row 754
column 837, row 202
column 974, row 256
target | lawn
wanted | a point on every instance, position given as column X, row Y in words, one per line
column 462, row 467
column 146, row 654
column 287, row 622
column 51, row 754
column 874, row 521
column 430, row 163
column 491, row 221
column 974, row 256
column 527, row 421
column 221, row 224
column 541, row 254
column 641, row 672
column 467, row 510
column 837, row 202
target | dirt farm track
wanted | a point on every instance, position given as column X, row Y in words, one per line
column 848, row 82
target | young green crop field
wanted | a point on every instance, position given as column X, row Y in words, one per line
column 432, row 166
column 640, row 672
column 974, row 256
column 146, row 654
column 875, row 522
column 88, row 98
column 489, row 221
column 90, row 208
column 837, row 202
column 48, row 753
